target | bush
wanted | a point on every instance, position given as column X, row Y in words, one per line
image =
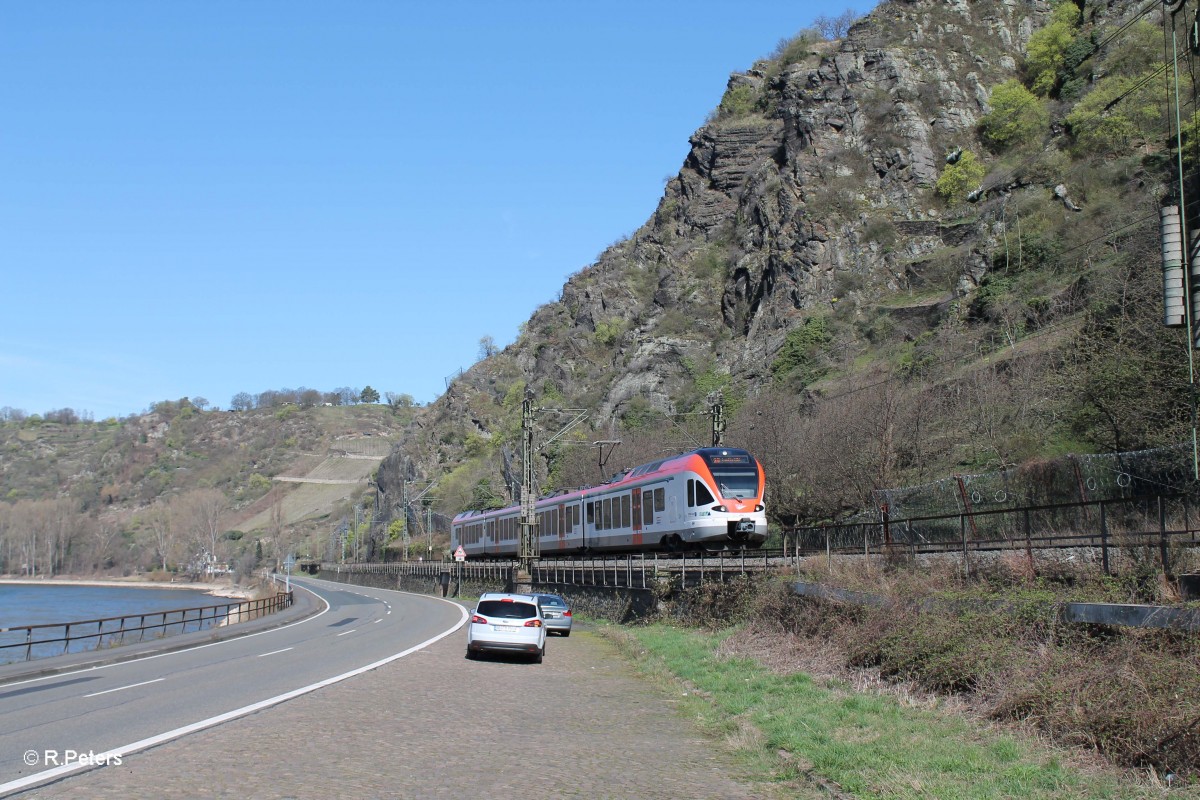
column 1017, row 117
column 1047, row 52
column 739, row 101
column 961, row 177
column 1108, row 130
column 801, row 349
column 608, row 331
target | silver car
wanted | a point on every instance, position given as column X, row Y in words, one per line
column 557, row 613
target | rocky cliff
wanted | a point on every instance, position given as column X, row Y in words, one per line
column 808, row 199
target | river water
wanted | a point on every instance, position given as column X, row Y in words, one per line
column 33, row 604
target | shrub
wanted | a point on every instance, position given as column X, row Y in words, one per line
column 1047, row 51
column 1096, row 127
column 801, row 349
column 961, row 177
column 794, row 50
column 608, row 331
column 1016, row 117
column 739, row 101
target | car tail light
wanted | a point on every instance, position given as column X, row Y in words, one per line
column 478, row 620
column 719, row 508
column 567, row 613
column 533, row 623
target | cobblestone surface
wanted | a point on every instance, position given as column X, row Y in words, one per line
column 435, row 725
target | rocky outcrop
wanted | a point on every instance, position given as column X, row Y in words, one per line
column 813, row 192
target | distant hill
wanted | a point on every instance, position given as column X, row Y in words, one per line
column 286, row 473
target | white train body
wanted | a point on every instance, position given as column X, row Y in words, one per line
column 707, row 499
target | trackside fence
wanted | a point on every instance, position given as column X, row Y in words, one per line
column 1150, row 525
column 50, row 639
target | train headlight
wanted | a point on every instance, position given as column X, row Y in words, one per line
column 719, row 508
column 760, row 507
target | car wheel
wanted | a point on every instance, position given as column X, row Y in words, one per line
column 537, row 659
column 566, row 633
column 470, row 655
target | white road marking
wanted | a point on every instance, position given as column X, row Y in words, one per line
column 343, row 633
column 123, row 688
column 273, row 652
column 154, row 741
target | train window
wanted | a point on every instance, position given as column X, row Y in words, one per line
column 691, row 493
column 607, row 508
column 660, row 499
column 647, row 510
column 591, row 514
column 703, row 495
column 575, row 514
column 626, row 519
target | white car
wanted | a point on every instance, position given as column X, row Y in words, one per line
column 507, row 623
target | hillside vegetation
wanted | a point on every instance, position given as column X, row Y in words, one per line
column 924, row 249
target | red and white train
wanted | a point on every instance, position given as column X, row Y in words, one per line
column 706, row 499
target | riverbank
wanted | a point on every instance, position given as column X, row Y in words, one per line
column 216, row 589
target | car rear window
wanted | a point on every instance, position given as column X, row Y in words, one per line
column 507, row 609
column 557, row 602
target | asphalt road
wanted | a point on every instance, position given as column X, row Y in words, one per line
column 61, row 723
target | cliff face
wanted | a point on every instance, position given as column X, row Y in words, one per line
column 809, row 193
column 820, row 188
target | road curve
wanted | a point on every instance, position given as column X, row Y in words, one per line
column 66, row 722
column 579, row 726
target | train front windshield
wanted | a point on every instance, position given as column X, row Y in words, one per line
column 736, row 483
column 735, row 472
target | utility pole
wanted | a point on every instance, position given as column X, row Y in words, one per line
column 529, row 550
column 404, row 504
column 429, row 528
column 718, row 419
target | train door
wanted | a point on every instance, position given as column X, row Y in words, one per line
column 637, row 516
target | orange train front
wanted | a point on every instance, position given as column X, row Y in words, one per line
column 707, row 499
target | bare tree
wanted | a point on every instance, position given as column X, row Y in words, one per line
column 200, row 514
column 397, row 401
column 159, row 523
column 838, row 26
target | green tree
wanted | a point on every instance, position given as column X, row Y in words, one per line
column 1047, row 51
column 1016, row 117
column 369, row 395
column 961, row 177
column 1137, row 116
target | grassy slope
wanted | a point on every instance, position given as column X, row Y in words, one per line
column 793, row 729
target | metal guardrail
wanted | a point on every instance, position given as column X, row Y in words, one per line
column 627, row 571
column 163, row 623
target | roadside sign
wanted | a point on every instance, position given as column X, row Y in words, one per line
column 460, row 554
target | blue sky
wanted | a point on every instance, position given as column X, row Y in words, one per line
column 204, row 198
